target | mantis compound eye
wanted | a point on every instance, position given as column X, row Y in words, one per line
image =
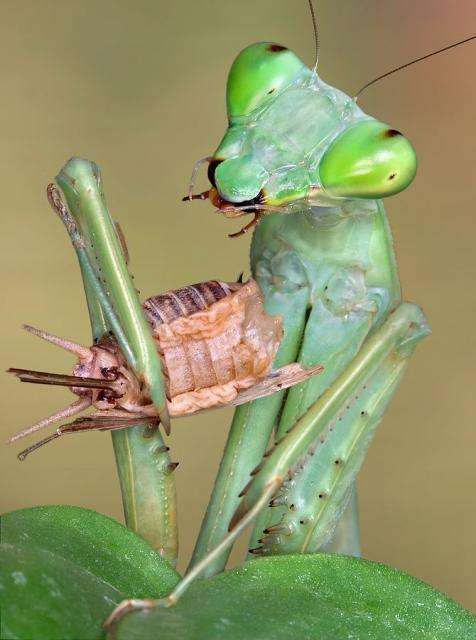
column 259, row 71
column 368, row 160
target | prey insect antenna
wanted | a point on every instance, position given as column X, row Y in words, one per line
column 73, row 347
column 67, row 412
column 409, row 64
column 122, row 241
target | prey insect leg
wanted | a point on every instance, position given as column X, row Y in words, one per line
column 258, row 210
column 67, row 412
column 256, row 218
column 88, row 424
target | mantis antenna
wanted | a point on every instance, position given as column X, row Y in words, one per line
column 316, row 32
column 409, row 64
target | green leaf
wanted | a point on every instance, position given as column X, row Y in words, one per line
column 64, row 569
column 327, row 597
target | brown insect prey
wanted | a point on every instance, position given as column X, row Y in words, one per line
column 212, row 354
column 217, row 344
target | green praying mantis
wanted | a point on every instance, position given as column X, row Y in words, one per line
column 312, row 168
column 296, row 144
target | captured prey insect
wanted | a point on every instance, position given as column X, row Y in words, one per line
column 216, row 344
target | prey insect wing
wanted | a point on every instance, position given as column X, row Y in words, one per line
column 283, row 378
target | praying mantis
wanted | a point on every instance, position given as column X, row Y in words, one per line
column 312, row 167
column 328, row 265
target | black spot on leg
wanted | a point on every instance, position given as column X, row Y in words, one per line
column 307, row 315
column 161, row 449
column 149, row 431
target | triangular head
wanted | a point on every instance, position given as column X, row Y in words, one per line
column 294, row 140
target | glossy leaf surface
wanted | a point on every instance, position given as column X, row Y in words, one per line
column 326, row 597
column 64, row 569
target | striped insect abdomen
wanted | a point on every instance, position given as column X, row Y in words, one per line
column 214, row 338
column 186, row 301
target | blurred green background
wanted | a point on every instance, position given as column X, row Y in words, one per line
column 139, row 87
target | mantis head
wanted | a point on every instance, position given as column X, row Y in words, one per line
column 271, row 93
column 294, row 140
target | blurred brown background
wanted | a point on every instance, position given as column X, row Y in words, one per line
column 139, row 87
